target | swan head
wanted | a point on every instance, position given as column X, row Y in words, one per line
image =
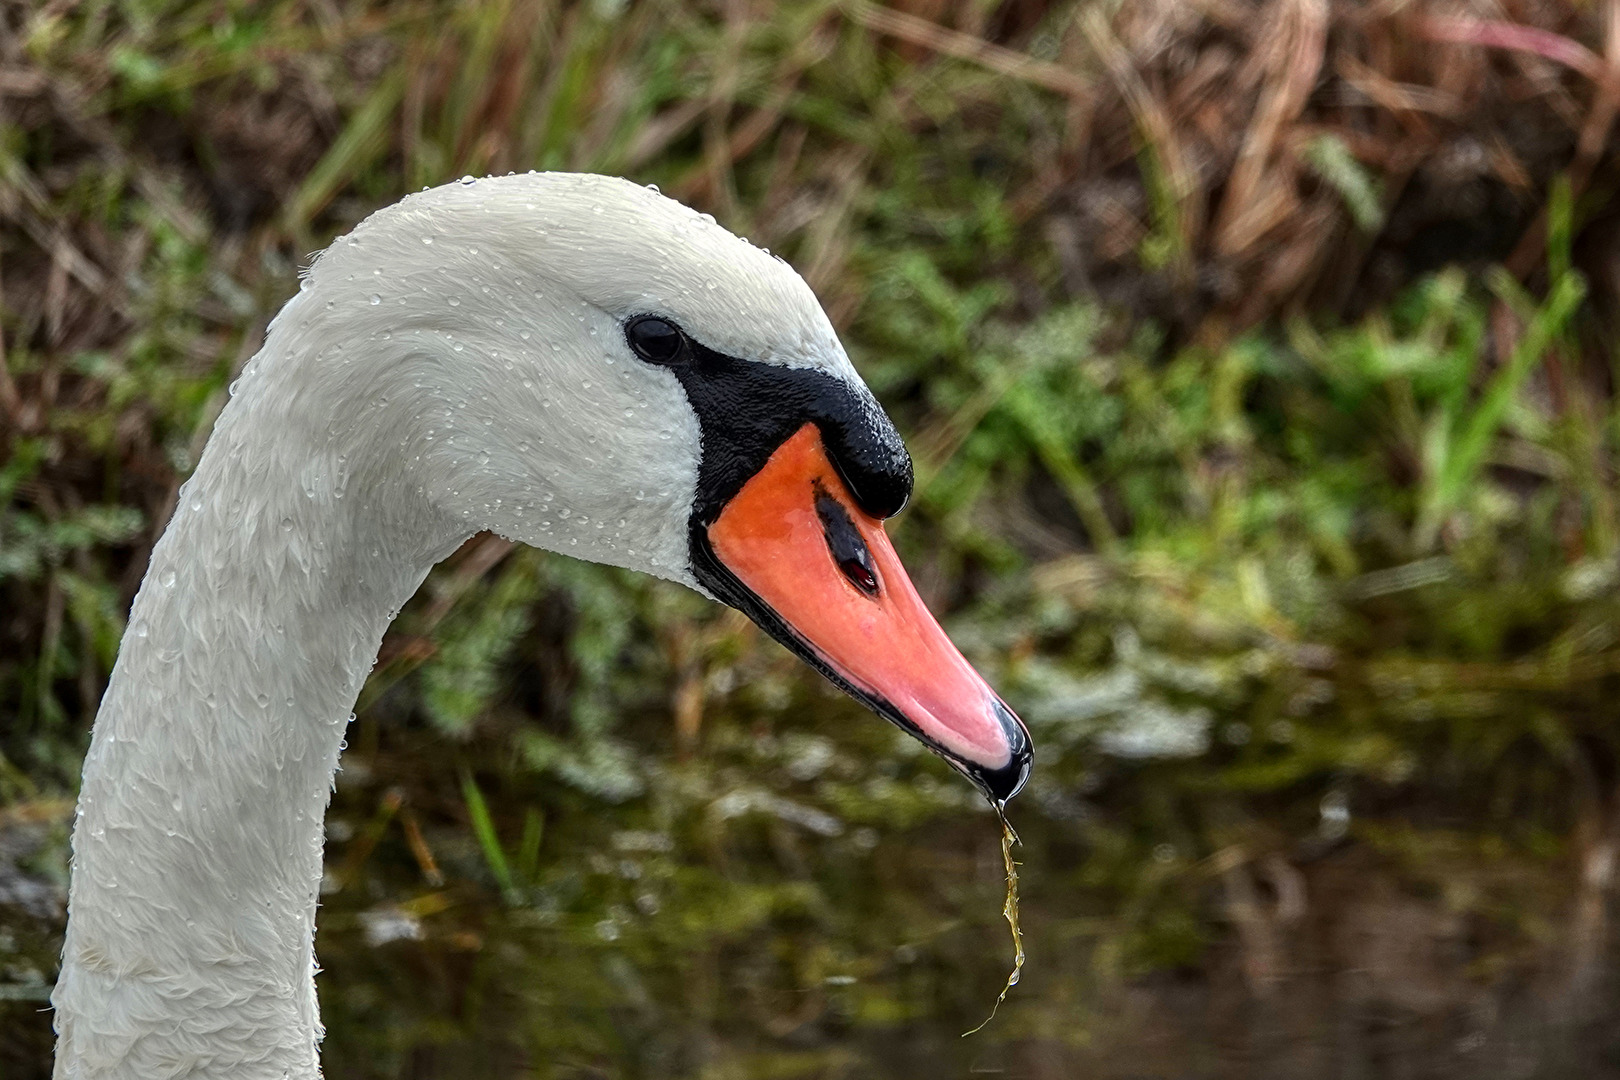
column 582, row 364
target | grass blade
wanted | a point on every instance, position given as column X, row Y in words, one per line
column 484, row 829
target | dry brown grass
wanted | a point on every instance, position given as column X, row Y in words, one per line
column 1183, row 174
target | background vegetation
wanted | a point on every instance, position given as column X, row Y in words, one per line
column 1257, row 357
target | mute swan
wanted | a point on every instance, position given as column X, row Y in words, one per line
column 571, row 361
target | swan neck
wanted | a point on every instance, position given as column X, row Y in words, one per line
column 197, row 847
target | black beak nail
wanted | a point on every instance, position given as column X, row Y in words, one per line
column 1003, row 783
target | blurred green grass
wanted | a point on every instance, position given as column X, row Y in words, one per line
column 1259, row 466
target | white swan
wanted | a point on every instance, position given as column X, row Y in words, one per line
column 571, row 361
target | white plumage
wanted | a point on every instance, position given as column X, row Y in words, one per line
column 456, row 363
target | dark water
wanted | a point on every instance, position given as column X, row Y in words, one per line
column 801, row 919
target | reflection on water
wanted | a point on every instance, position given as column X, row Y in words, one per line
column 1232, row 866
column 825, row 904
column 824, row 901
column 770, row 951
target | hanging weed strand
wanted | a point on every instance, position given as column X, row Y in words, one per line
column 1009, row 910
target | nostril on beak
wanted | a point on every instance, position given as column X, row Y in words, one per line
column 859, row 576
column 844, row 541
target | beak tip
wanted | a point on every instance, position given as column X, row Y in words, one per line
column 1002, row 783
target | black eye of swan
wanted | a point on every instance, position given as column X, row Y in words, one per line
column 655, row 340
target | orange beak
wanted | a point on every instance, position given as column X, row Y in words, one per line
column 833, row 590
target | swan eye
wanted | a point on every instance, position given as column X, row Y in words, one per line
column 655, row 340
